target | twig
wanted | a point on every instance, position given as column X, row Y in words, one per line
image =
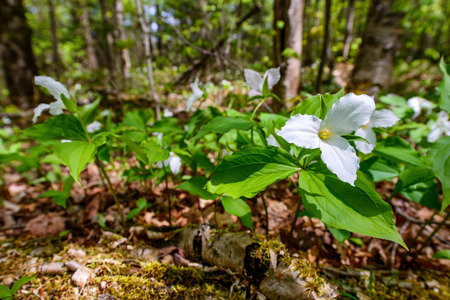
column 168, row 194
column 417, row 221
column 425, row 243
column 394, row 249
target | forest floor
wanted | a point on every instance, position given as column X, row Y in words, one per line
column 128, row 266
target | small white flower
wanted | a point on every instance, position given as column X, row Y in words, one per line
column 417, row 104
column 256, row 81
column 105, row 113
column 442, row 125
column 55, row 88
column 348, row 114
column 167, row 113
column 226, row 84
column 196, row 94
column 174, row 162
column 94, row 126
column 66, row 141
column 379, row 118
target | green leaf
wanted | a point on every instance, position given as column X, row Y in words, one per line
column 136, row 119
column 272, row 121
column 235, row 207
column 140, row 153
column 5, row 292
column 60, row 127
column 397, row 149
column 424, row 193
column 19, row 283
column 247, row 220
column 102, row 221
column 140, row 205
column 439, row 155
column 444, row 87
column 250, row 170
column 314, row 106
column 76, row 155
column 265, row 89
column 339, row 234
column 352, row 138
column 378, row 169
column 339, row 205
column 357, row 241
column 69, row 104
column 154, row 151
column 442, row 254
column 224, row 124
column 89, row 111
column 195, row 186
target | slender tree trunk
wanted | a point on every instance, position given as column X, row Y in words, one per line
column 159, row 44
column 55, row 54
column 108, row 42
column 122, row 36
column 375, row 59
column 92, row 62
column 148, row 57
column 15, row 48
column 290, row 36
column 349, row 28
column 325, row 46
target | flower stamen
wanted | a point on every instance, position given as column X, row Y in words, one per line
column 325, row 134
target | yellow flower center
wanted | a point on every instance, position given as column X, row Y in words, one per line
column 325, row 134
column 365, row 126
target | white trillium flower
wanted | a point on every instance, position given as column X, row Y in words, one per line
column 94, row 126
column 55, row 88
column 348, row 114
column 442, row 125
column 174, row 162
column 379, row 118
column 417, row 104
column 196, row 94
column 256, row 81
column 167, row 113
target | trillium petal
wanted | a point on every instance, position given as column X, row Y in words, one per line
column 94, row 126
column 273, row 77
column 302, row 131
column 56, row 108
column 38, row 111
column 349, row 113
column 383, row 118
column 254, row 79
column 340, row 158
column 253, row 93
column 54, row 87
column 435, row 133
column 175, row 163
column 369, row 135
column 272, row 141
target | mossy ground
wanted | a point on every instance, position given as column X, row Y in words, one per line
column 121, row 273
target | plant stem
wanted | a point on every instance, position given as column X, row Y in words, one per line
column 168, row 194
column 427, row 222
column 77, row 217
column 119, row 208
column 296, row 216
column 267, row 213
column 425, row 243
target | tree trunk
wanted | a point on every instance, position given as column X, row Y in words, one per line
column 349, row 28
column 92, row 62
column 108, row 43
column 57, row 68
column 148, row 57
column 325, row 46
column 289, row 36
column 375, row 59
column 122, row 36
column 18, row 61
